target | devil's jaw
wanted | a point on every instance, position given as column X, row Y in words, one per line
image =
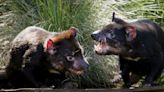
column 102, row 48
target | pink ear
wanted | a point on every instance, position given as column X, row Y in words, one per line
column 49, row 43
column 51, row 49
column 131, row 31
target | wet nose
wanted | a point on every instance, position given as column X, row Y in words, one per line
column 94, row 36
column 84, row 65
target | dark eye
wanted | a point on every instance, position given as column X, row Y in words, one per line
column 111, row 34
column 70, row 58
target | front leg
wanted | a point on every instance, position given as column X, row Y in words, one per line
column 126, row 77
column 125, row 70
column 28, row 73
column 155, row 70
column 34, row 66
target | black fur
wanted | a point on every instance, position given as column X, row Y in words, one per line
column 34, row 64
column 147, row 46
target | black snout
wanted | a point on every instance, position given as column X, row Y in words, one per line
column 83, row 65
column 94, row 36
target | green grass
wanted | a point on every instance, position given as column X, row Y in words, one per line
column 87, row 16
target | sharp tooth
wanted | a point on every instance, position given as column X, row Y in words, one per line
column 105, row 40
column 95, row 46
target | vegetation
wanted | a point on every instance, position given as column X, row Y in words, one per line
column 87, row 16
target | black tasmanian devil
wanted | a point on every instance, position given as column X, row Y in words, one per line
column 38, row 56
column 139, row 45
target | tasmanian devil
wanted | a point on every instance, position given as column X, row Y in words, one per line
column 43, row 58
column 138, row 44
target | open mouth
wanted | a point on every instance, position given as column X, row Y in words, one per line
column 103, row 48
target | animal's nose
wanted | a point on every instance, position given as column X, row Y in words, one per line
column 94, row 36
column 84, row 65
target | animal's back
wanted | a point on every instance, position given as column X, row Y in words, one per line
column 31, row 35
column 150, row 26
column 26, row 42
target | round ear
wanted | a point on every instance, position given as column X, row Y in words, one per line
column 69, row 34
column 131, row 33
column 113, row 16
column 49, row 44
column 73, row 31
column 118, row 20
